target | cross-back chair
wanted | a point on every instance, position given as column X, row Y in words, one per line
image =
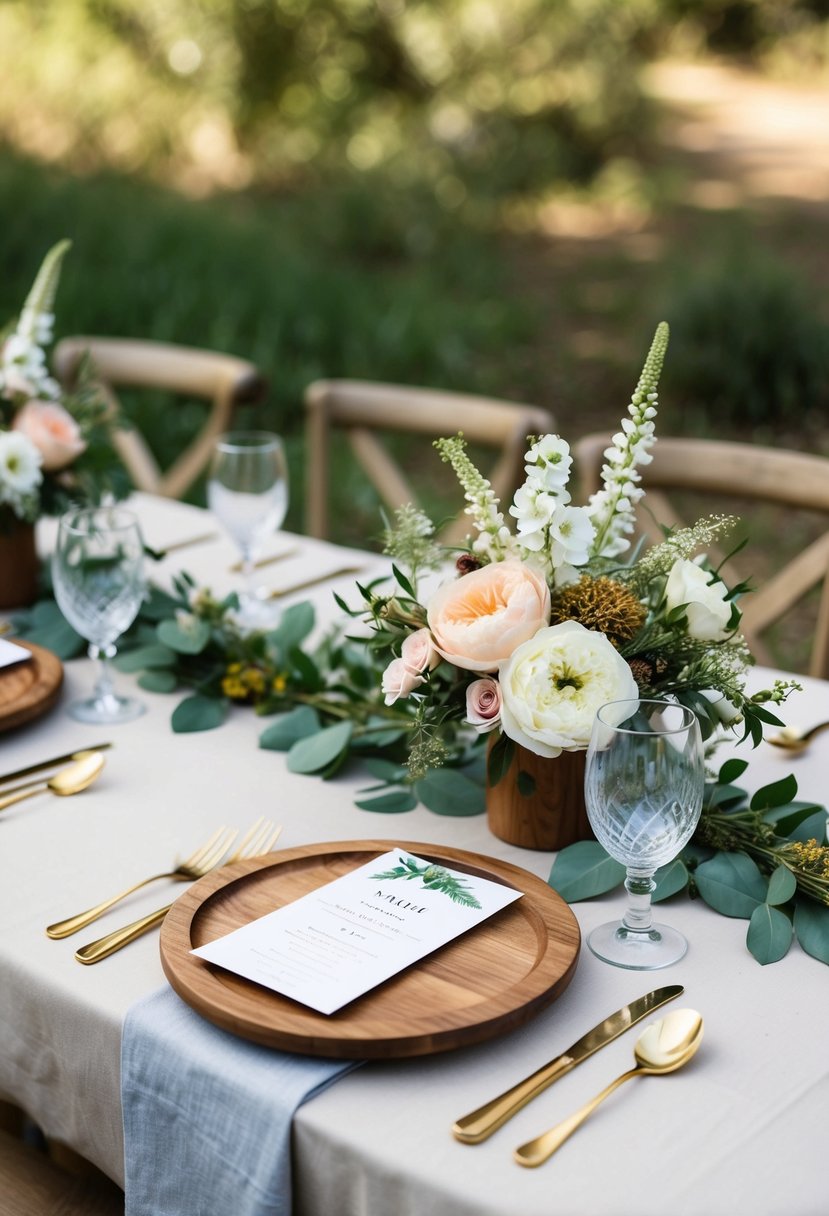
column 361, row 409
column 790, row 479
column 224, row 381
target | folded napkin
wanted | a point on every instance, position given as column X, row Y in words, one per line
column 207, row 1116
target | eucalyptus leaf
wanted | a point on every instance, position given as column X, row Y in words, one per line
column 583, row 870
column 669, row 880
column 295, row 624
column 198, row 713
column 785, row 819
column 769, row 934
column 45, row 625
column 152, row 656
column 316, row 752
column 385, row 770
column 448, row 792
column 777, row 794
column 813, row 828
column 288, row 728
column 304, row 666
column 811, row 925
column 158, row 681
column 393, row 803
column 189, row 640
column 731, row 884
column 731, row 771
column 782, row 886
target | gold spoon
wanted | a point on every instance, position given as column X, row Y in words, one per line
column 70, row 780
column 794, row 738
column 662, row 1047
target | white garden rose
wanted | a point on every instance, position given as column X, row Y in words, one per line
column 552, row 685
column 708, row 611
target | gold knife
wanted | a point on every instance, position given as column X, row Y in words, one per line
column 37, row 768
column 328, row 576
column 481, row 1123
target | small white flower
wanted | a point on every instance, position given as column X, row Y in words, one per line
column 19, row 463
column 571, row 534
column 549, row 463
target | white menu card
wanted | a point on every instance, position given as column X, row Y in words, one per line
column 349, row 935
column 11, row 653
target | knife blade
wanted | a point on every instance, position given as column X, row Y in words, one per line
column 481, row 1123
column 37, row 768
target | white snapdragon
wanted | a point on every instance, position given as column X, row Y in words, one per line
column 612, row 509
column 571, row 535
column 549, row 529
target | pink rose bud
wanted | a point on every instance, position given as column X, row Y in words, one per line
column 418, row 652
column 483, row 704
column 53, row 431
column 399, row 681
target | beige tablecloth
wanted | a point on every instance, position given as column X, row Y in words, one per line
column 741, row 1130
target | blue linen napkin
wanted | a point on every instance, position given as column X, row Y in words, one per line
column 207, row 1116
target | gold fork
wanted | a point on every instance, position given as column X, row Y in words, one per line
column 259, row 840
column 203, row 860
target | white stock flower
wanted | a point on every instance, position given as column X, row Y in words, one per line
column 553, row 684
column 549, row 463
column 708, row 612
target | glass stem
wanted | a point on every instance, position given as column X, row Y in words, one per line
column 639, row 886
column 248, row 590
column 104, row 689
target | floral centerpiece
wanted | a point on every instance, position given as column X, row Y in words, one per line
column 545, row 622
column 55, row 448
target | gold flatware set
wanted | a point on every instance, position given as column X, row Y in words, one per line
column 85, row 768
column 260, row 839
column 664, row 1046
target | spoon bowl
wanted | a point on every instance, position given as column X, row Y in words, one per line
column 75, row 777
column 662, row 1047
column 795, row 738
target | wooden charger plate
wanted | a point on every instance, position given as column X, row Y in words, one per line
column 486, row 982
column 30, row 688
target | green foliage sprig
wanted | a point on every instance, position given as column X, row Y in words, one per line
column 755, row 857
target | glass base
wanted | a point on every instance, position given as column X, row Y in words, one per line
column 658, row 947
column 107, row 710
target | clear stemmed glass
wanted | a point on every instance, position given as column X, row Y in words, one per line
column 643, row 786
column 247, row 491
column 98, row 578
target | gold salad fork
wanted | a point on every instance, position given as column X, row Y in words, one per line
column 196, row 866
column 259, row 840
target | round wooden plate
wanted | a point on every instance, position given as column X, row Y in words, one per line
column 486, row 982
column 30, row 688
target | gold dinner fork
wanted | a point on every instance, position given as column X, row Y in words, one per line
column 259, row 840
column 196, row 866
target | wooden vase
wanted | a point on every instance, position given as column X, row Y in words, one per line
column 19, row 566
column 553, row 814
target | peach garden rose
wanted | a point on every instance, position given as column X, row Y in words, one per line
column 478, row 620
column 53, row 431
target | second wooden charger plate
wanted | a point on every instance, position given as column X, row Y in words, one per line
column 30, row 688
column 486, row 982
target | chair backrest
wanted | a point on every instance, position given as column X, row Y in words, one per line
column 794, row 480
column 222, row 380
column 359, row 408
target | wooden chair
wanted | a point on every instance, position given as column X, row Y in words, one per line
column 222, row 380
column 788, row 479
column 359, row 408
column 32, row 1185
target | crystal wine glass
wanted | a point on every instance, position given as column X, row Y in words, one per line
column 643, row 786
column 247, row 491
column 98, row 578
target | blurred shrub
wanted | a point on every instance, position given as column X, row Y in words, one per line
column 473, row 97
column 749, row 345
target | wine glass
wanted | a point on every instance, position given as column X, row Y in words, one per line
column 98, row 579
column 643, row 785
column 247, row 491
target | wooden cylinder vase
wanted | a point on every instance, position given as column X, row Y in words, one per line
column 19, row 566
column 550, row 814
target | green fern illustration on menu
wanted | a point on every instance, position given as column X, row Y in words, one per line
column 435, row 878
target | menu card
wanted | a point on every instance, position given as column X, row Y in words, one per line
column 349, row 935
column 11, row 653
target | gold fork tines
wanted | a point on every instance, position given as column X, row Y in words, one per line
column 259, row 840
column 195, row 866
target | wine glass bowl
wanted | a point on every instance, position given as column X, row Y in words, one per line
column 98, row 578
column 247, row 491
column 644, row 783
